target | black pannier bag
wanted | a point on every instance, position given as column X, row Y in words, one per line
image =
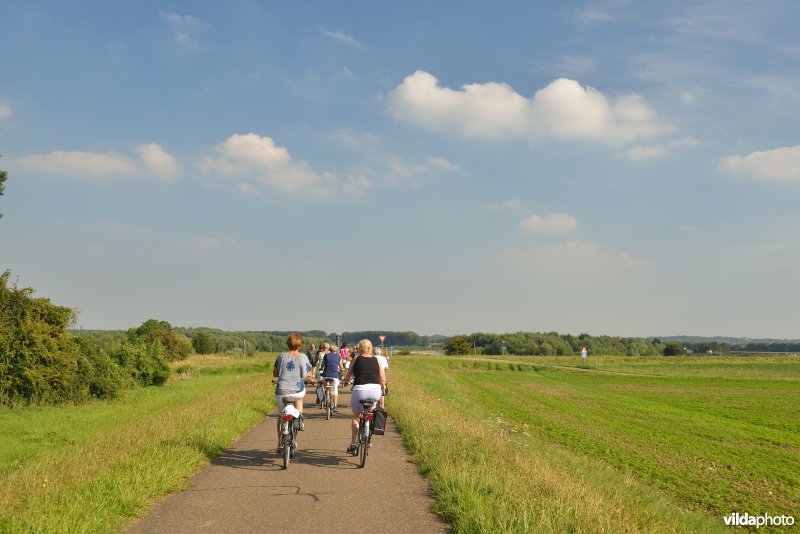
column 379, row 421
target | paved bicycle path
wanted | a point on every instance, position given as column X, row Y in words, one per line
column 246, row 489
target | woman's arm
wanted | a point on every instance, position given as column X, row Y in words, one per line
column 383, row 376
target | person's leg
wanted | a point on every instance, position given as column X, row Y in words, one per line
column 354, row 430
column 279, row 403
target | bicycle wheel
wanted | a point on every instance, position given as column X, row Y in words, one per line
column 327, row 404
column 287, row 449
column 363, row 443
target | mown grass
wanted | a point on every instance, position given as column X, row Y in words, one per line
column 554, row 449
column 95, row 467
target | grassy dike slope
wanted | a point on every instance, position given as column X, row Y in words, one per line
column 95, row 467
column 533, row 448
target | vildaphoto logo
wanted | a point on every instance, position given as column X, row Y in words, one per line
column 746, row 520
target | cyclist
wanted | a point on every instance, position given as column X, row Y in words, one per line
column 316, row 364
column 292, row 369
column 384, row 362
column 368, row 384
column 331, row 364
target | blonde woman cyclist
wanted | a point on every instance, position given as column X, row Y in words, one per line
column 368, row 383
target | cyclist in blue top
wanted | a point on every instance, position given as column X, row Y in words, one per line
column 291, row 369
column 331, row 364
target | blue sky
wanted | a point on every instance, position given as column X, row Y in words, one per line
column 609, row 167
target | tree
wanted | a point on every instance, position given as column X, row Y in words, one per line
column 176, row 346
column 38, row 360
column 458, row 345
column 672, row 349
column 203, row 343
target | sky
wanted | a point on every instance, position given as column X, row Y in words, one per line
column 607, row 167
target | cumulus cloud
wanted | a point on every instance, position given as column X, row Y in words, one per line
column 5, row 111
column 151, row 162
column 574, row 257
column 549, row 224
column 659, row 150
column 563, row 110
column 258, row 161
column 340, row 36
column 777, row 165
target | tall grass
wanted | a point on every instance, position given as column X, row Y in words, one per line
column 572, row 450
column 94, row 468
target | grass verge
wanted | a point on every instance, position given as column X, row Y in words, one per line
column 96, row 467
column 574, row 451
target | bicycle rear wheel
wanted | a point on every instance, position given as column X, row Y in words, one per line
column 287, row 449
column 363, row 443
column 327, row 405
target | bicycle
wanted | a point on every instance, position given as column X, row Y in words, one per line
column 364, row 437
column 327, row 399
column 290, row 424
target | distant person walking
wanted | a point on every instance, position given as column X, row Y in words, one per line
column 291, row 369
column 584, row 352
column 369, row 382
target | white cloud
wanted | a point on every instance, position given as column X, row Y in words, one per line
column 211, row 243
column 574, row 257
column 5, row 111
column 341, row 37
column 549, row 224
column 659, row 150
column 258, row 161
column 562, row 110
column 152, row 162
column 157, row 161
column 780, row 164
column 411, row 173
column 187, row 28
column 590, row 16
column 687, row 98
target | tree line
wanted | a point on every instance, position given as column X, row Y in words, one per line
column 555, row 344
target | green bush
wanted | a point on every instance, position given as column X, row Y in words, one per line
column 203, row 343
column 144, row 363
column 100, row 376
column 38, row 359
column 175, row 346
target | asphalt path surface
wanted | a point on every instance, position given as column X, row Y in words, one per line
column 246, row 488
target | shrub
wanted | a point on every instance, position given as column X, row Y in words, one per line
column 100, row 376
column 38, row 359
column 144, row 363
column 175, row 346
column 203, row 343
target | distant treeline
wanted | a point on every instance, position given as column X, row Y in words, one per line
column 552, row 344
column 212, row 340
column 555, row 344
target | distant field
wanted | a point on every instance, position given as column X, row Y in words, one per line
column 625, row 444
column 95, row 467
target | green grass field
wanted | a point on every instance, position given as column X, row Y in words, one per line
column 650, row 444
column 515, row 444
column 95, row 467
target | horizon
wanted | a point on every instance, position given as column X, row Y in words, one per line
column 591, row 166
